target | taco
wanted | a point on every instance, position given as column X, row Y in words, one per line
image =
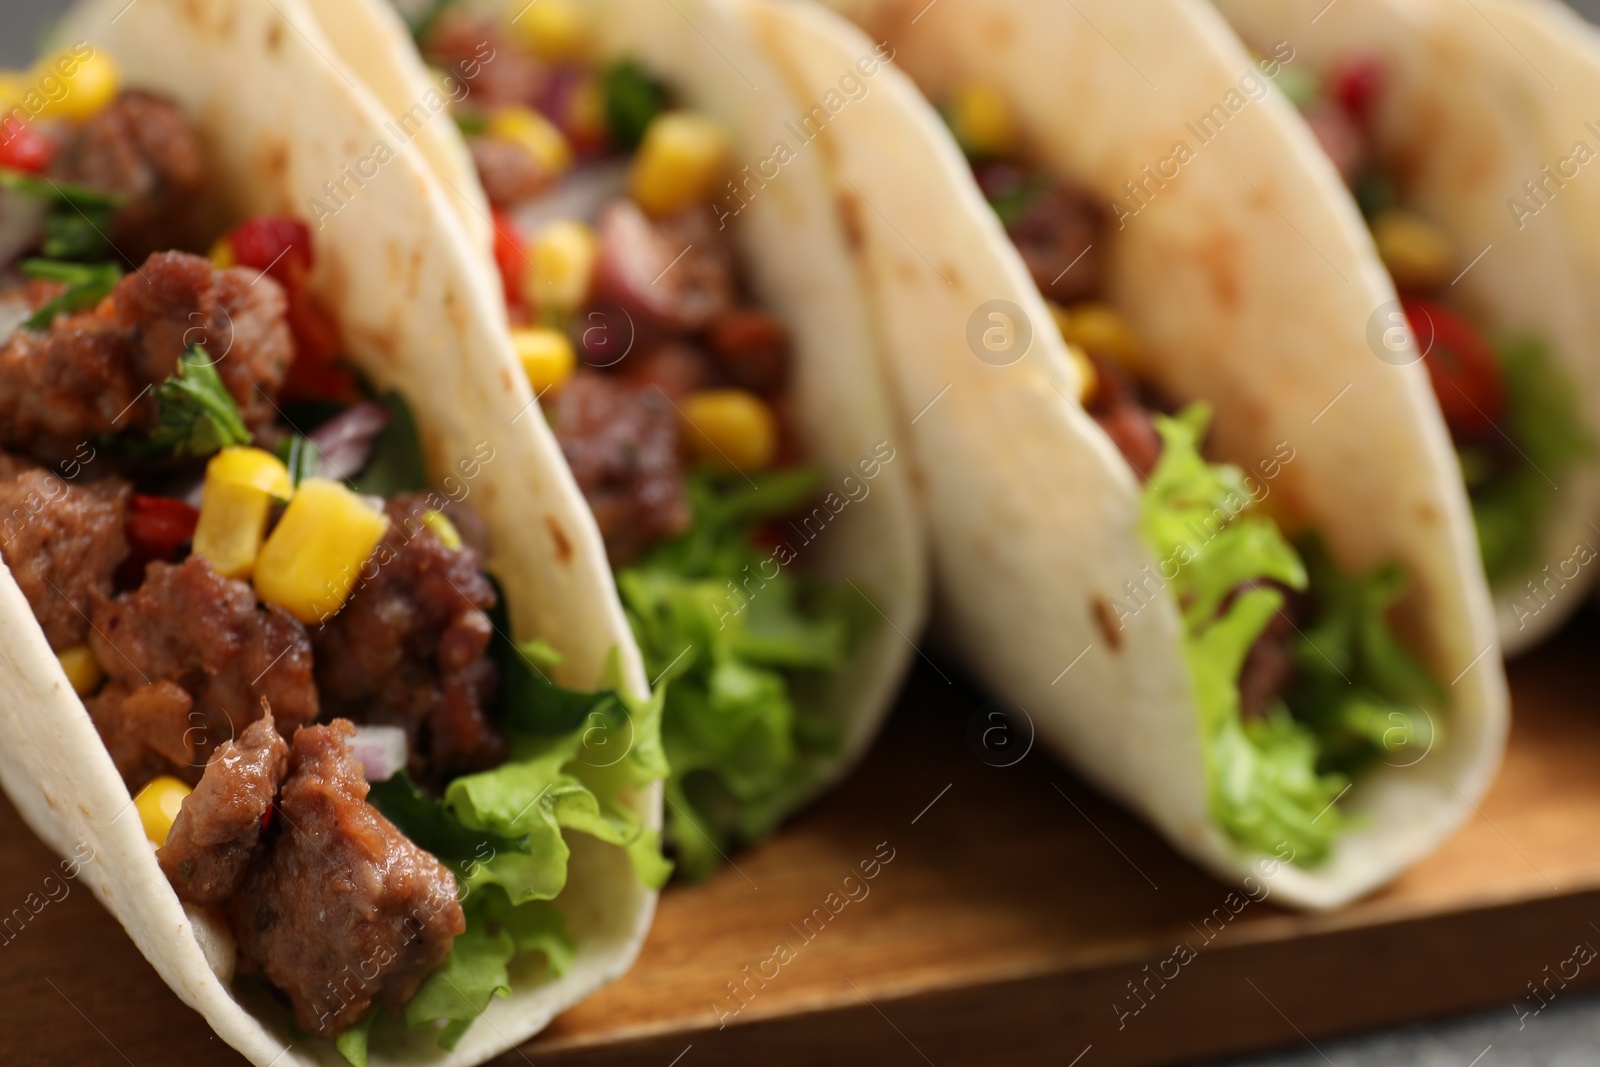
column 1444, row 135
column 312, row 656
column 708, row 366
column 1184, row 520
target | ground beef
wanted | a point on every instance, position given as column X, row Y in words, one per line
column 752, row 348
column 342, row 911
column 223, row 653
column 508, row 172
column 91, row 373
column 143, row 148
column 473, row 48
column 1057, row 229
column 1122, row 413
column 1268, row 667
column 63, row 541
column 674, row 274
column 220, row 828
column 677, row 367
column 410, row 648
column 623, row 444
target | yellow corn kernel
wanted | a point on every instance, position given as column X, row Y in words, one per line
column 82, row 669
column 546, row 354
column 1098, row 328
column 554, row 30
column 981, row 119
column 683, row 156
column 731, row 429
column 221, row 253
column 563, row 256
column 159, row 803
column 442, row 528
column 92, row 82
column 313, row 558
column 537, row 135
column 235, row 502
column 13, row 87
column 1417, row 252
column 1088, row 377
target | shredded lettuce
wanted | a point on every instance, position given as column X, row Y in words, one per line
column 1512, row 498
column 1273, row 781
column 730, row 632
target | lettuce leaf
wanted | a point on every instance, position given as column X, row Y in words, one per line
column 730, row 632
column 1512, row 499
column 1359, row 692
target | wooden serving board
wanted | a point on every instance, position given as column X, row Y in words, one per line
column 1011, row 914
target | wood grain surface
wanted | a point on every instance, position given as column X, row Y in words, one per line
column 1013, row 916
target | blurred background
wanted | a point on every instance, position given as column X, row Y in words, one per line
column 1567, row 1034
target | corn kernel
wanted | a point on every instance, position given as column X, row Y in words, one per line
column 563, row 256
column 221, row 253
column 1088, row 377
column 680, row 161
column 81, row 668
column 159, row 803
column 732, row 429
column 1098, row 328
column 13, row 87
column 981, row 119
column 537, row 135
column 313, row 558
column 546, row 354
column 93, row 82
column 443, row 528
column 1417, row 252
column 586, row 111
column 554, row 30
column 235, row 502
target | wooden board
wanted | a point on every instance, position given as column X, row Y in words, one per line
column 1013, row 918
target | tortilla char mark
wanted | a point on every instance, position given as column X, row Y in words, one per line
column 1106, row 620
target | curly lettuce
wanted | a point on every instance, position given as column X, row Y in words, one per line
column 732, row 634
column 1273, row 782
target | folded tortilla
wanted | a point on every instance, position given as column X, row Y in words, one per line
column 411, row 300
column 1472, row 118
column 1250, row 280
column 795, row 248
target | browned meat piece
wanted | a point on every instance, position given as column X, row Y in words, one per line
column 508, row 173
column 176, row 300
column 1122, row 414
column 219, row 829
column 410, row 648
column 342, row 912
column 623, row 444
column 143, row 148
column 672, row 273
column 1056, row 228
column 1268, row 668
column 472, row 47
column 188, row 625
column 678, row 367
column 753, row 348
column 63, row 541
column 90, row 373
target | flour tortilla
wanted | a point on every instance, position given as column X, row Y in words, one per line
column 1469, row 120
column 410, row 296
column 793, row 244
column 1250, row 280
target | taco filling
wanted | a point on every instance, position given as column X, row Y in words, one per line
column 1301, row 684
column 1513, row 417
column 287, row 641
column 667, row 386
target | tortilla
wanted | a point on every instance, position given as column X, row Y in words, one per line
column 794, row 244
column 1469, row 120
column 410, row 298
column 1251, row 280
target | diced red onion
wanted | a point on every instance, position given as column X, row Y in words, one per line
column 381, row 750
column 344, row 442
column 580, row 195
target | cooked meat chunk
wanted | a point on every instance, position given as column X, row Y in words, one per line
column 410, row 647
column 753, row 348
column 91, row 373
column 472, row 47
column 678, row 367
column 675, row 273
column 63, row 541
column 342, row 911
column 623, row 444
column 143, row 148
column 225, row 653
column 1123, row 415
column 220, row 828
column 1268, row 667
column 508, row 173
column 1055, row 227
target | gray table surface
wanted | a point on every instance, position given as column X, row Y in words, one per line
column 1565, row 1034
